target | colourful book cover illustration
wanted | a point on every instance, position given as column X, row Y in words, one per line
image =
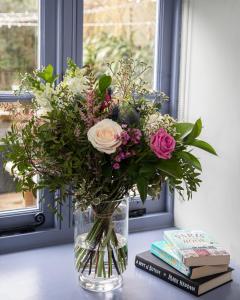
column 165, row 251
column 195, row 247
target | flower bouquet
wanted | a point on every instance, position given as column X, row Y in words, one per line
column 97, row 139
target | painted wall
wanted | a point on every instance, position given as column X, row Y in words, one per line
column 210, row 88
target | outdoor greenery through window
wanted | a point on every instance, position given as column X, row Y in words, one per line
column 117, row 28
column 18, row 40
column 18, row 54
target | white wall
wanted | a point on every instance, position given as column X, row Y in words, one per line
column 210, row 88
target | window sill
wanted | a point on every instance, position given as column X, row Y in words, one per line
column 9, row 96
column 55, row 236
column 48, row 274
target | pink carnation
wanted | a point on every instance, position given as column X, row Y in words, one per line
column 136, row 135
column 124, row 137
column 116, row 166
column 162, row 144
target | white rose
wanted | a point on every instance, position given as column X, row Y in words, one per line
column 104, row 136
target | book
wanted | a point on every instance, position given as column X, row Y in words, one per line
column 196, row 248
column 166, row 252
column 151, row 264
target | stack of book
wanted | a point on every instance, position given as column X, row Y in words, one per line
column 191, row 260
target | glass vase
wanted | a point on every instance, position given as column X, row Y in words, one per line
column 101, row 252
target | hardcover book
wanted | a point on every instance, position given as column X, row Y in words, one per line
column 151, row 264
column 166, row 252
column 196, row 248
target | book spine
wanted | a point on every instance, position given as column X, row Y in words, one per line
column 178, row 265
column 175, row 247
column 166, row 275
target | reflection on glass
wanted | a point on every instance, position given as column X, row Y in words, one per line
column 9, row 199
column 117, row 28
column 18, row 40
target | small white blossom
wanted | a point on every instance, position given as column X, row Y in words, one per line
column 156, row 121
column 77, row 84
column 43, row 98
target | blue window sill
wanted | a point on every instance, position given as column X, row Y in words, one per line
column 48, row 274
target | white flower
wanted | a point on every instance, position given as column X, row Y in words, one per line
column 154, row 119
column 104, row 136
column 77, row 84
column 43, row 97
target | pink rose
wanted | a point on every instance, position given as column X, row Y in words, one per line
column 162, row 144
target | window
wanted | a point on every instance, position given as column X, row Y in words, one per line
column 119, row 28
column 88, row 31
column 9, row 199
column 18, row 54
column 18, row 40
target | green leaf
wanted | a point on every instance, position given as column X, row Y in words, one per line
column 204, row 146
column 71, row 64
column 171, row 167
column 47, row 74
column 104, row 82
column 142, row 185
column 2, row 147
column 183, row 128
column 191, row 159
column 147, row 170
column 195, row 132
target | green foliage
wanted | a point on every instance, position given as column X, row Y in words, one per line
column 171, row 167
column 104, row 47
column 142, row 185
column 195, row 132
column 47, row 74
column 104, row 82
column 190, row 158
column 183, row 129
column 54, row 146
column 204, row 146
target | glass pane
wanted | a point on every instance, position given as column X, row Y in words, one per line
column 9, row 199
column 117, row 28
column 18, row 40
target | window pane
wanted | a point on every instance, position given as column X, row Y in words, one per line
column 18, row 40
column 117, row 28
column 9, row 199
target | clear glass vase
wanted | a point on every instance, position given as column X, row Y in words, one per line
column 101, row 252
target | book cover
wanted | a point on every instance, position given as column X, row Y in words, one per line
column 165, row 251
column 151, row 264
column 196, row 248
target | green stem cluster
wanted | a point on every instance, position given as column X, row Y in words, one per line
column 103, row 253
